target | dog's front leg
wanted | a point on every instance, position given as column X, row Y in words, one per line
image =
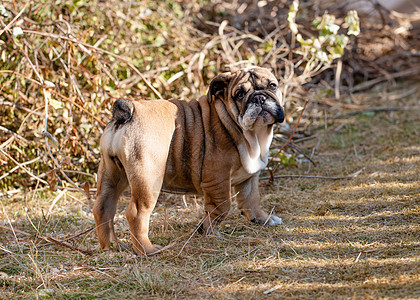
column 217, row 203
column 248, row 199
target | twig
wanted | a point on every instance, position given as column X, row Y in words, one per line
column 312, row 154
column 355, row 174
column 79, row 106
column 67, row 245
column 306, row 138
column 290, row 138
column 337, row 78
column 361, row 111
column 60, row 194
column 21, row 75
column 15, row 168
column 14, row 134
column 8, row 193
column 23, row 168
column 18, row 106
column 357, row 258
column 370, row 83
column 53, row 240
column 297, row 148
column 14, row 19
column 79, row 172
column 272, row 289
column 17, row 231
column 10, row 224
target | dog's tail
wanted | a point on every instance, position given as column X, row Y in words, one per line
column 122, row 111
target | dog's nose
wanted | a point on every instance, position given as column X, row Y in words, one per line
column 280, row 115
column 260, row 99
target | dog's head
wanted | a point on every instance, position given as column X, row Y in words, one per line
column 251, row 96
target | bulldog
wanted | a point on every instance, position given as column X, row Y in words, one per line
column 207, row 146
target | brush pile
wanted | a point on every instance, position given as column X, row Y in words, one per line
column 63, row 63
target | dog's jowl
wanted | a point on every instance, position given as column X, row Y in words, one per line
column 206, row 146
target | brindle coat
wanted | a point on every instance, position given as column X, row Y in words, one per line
column 205, row 146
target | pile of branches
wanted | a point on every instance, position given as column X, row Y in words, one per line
column 63, row 64
column 387, row 48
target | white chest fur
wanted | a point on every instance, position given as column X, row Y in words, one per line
column 254, row 151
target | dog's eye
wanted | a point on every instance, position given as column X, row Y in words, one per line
column 272, row 86
column 239, row 94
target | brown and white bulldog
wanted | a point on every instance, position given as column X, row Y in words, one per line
column 205, row 146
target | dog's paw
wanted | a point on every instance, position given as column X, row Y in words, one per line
column 211, row 231
column 274, row 220
column 150, row 250
column 155, row 249
column 271, row 221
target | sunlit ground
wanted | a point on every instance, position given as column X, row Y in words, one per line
column 350, row 238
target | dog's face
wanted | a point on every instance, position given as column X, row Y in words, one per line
column 251, row 96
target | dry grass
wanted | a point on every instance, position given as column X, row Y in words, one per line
column 353, row 238
column 350, row 238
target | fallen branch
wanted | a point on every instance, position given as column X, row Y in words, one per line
column 375, row 109
column 67, row 245
column 355, row 174
column 52, row 240
column 368, row 84
column 361, row 111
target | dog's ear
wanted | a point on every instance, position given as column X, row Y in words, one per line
column 218, row 86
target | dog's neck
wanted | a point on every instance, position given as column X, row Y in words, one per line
column 254, row 150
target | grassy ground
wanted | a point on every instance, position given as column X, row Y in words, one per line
column 350, row 238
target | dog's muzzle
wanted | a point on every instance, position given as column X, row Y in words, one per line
column 268, row 104
column 262, row 109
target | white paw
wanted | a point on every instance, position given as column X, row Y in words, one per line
column 274, row 220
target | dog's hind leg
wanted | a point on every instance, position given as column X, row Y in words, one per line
column 146, row 182
column 112, row 181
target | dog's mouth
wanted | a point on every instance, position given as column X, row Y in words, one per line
column 261, row 110
column 265, row 118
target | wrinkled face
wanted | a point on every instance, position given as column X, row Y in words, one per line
column 251, row 96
